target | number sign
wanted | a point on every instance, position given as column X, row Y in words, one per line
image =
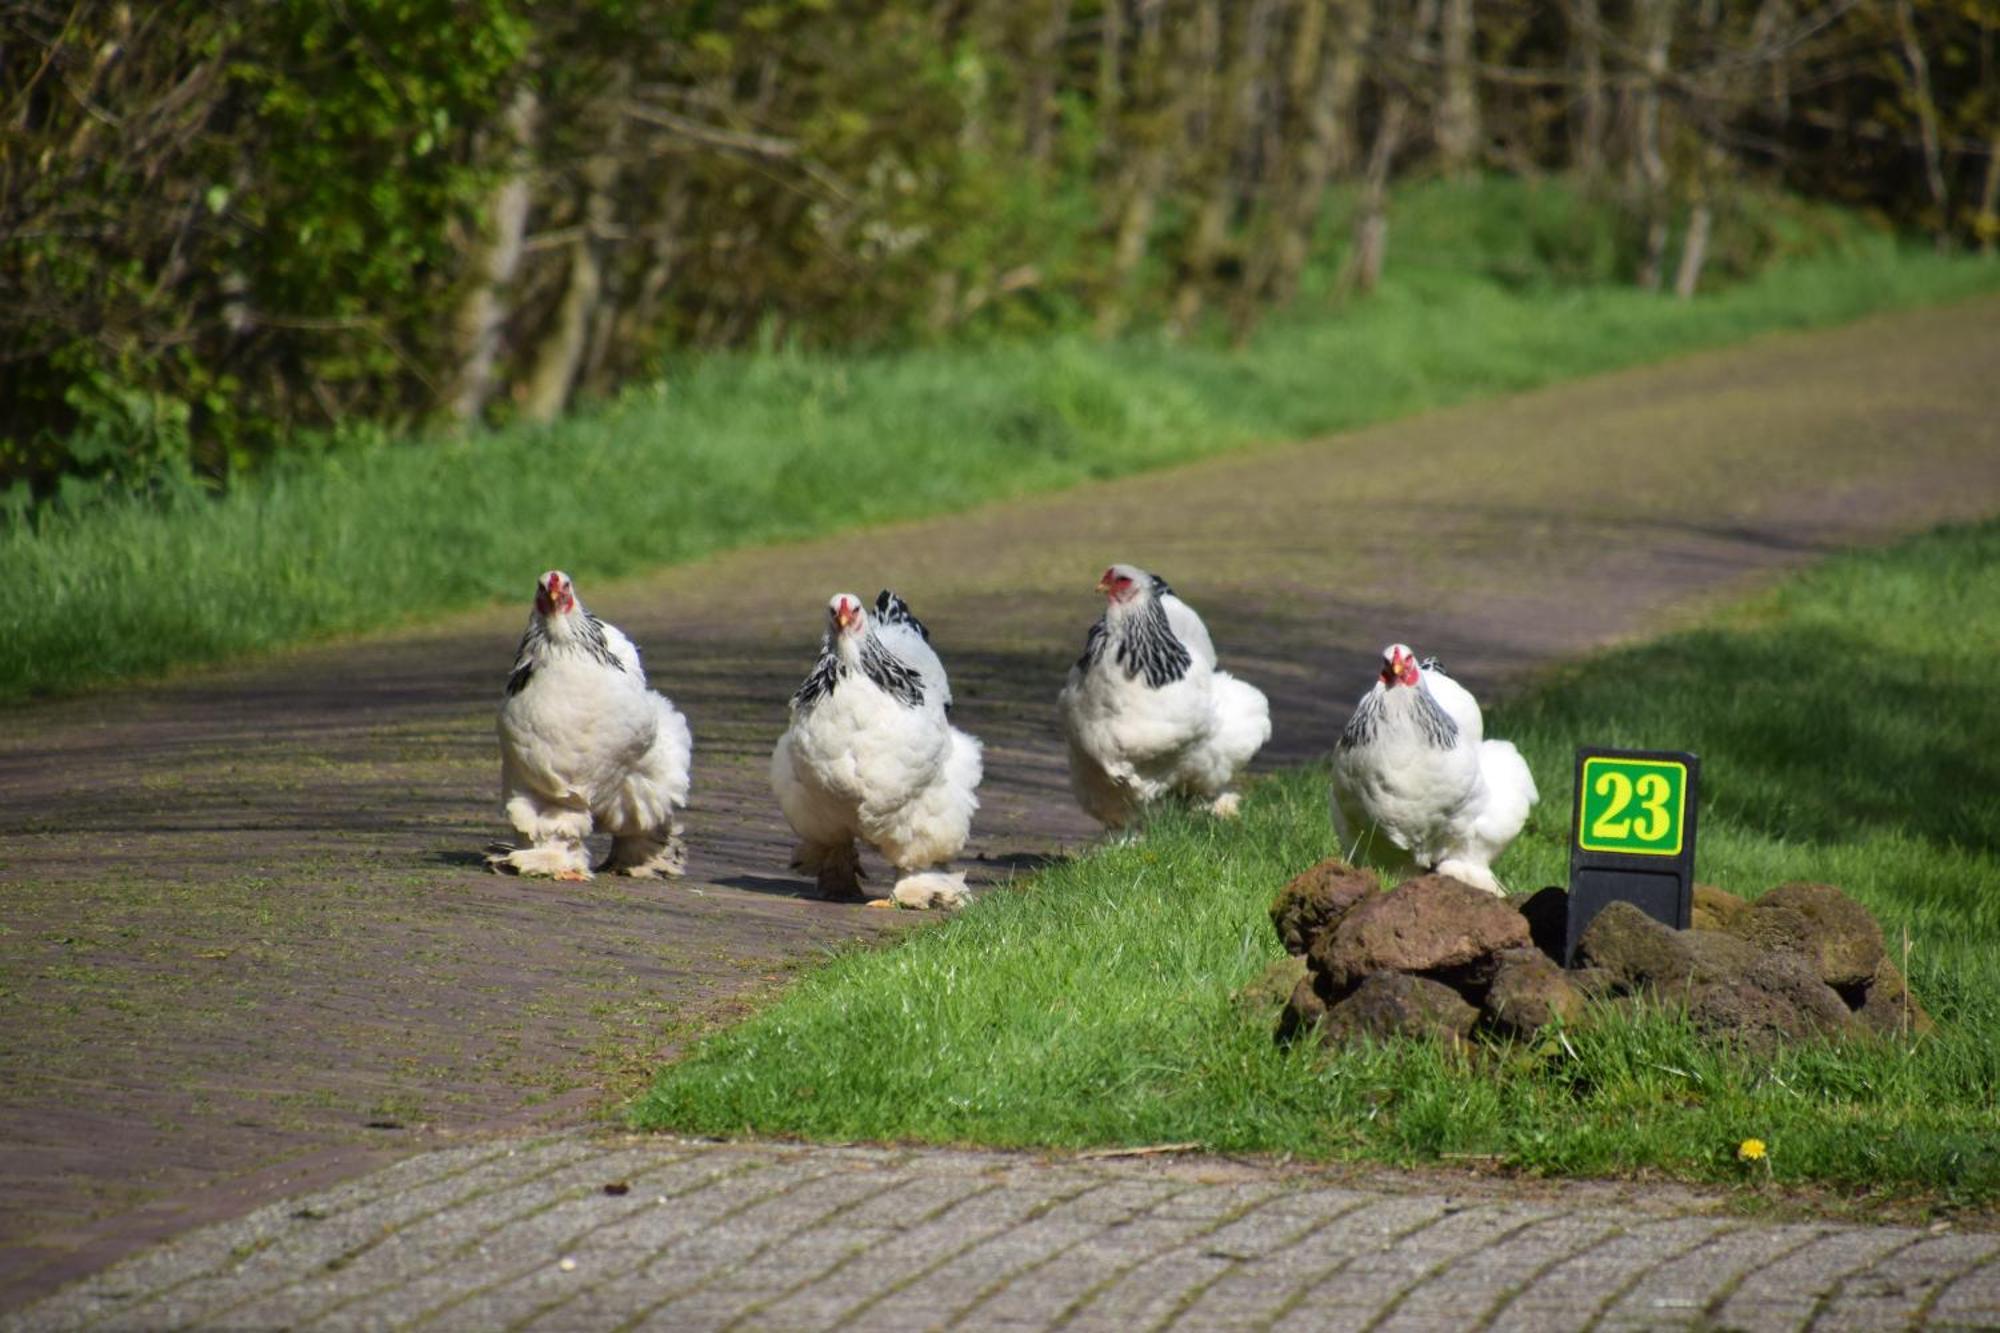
column 1636, row 806
column 1632, row 836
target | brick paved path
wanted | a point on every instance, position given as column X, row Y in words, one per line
column 576, row 1232
column 246, row 945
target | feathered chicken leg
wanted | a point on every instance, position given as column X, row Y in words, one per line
column 555, row 841
column 660, row 854
column 835, row 868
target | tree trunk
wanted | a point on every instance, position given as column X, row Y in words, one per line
column 1045, row 66
column 1656, row 26
column 1988, row 220
column 1694, row 251
column 1206, row 130
column 495, row 259
column 1458, row 131
column 1325, row 77
column 1110, row 77
column 1233, row 126
column 1371, row 221
column 1918, row 70
column 1986, row 223
column 1150, row 131
column 1343, row 92
column 1135, row 221
column 566, row 349
column 1587, row 118
column 561, row 350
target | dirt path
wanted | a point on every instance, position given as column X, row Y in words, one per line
column 246, row 947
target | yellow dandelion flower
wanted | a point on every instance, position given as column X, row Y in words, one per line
column 1750, row 1150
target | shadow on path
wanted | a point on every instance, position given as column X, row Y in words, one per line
column 245, row 916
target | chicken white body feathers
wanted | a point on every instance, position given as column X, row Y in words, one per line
column 1415, row 782
column 584, row 743
column 869, row 754
column 1148, row 714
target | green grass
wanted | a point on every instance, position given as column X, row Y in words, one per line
column 1494, row 287
column 1849, row 728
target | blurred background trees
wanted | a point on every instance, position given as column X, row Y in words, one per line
column 222, row 224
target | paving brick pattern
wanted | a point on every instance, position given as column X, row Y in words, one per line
column 582, row 1231
column 250, row 949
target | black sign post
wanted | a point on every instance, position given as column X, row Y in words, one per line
column 1631, row 837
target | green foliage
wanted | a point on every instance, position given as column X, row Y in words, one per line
column 351, row 219
column 1558, row 232
column 222, row 220
column 1523, row 234
column 275, row 215
column 733, row 450
column 1099, row 1003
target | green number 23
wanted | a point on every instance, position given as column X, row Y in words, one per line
column 1653, row 791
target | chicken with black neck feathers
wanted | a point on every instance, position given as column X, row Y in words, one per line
column 585, row 745
column 907, row 637
column 1146, row 710
column 1416, row 782
column 870, row 754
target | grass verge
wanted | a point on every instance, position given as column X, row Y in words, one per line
column 1849, row 731
column 739, row 450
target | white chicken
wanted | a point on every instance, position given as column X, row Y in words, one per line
column 1146, row 711
column 1416, row 783
column 584, row 745
column 870, row 754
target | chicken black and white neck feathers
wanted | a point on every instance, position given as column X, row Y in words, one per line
column 899, row 630
column 1426, row 716
column 874, row 662
column 1144, row 643
column 589, row 638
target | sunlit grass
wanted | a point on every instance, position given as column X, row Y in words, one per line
column 1849, row 728
column 735, row 450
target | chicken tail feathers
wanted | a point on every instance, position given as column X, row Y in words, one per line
column 656, row 785
column 933, row 828
column 1510, row 781
column 965, row 766
column 1242, row 718
column 1510, row 792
